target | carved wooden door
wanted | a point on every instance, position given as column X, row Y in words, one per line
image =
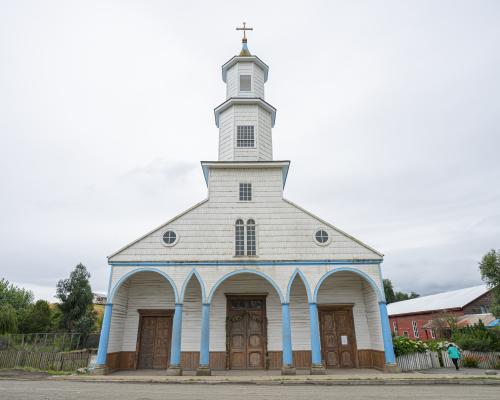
column 154, row 342
column 246, row 333
column 338, row 345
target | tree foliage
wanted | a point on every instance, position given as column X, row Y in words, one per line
column 490, row 273
column 477, row 338
column 8, row 319
column 18, row 298
column 37, row 318
column 76, row 299
column 391, row 296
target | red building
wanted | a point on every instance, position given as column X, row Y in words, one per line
column 412, row 318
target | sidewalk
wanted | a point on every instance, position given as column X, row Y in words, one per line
column 352, row 377
column 439, row 376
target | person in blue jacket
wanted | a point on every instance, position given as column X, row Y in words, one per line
column 454, row 353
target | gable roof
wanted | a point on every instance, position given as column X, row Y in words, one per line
column 440, row 301
column 333, row 227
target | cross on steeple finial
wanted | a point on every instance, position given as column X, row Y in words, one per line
column 244, row 29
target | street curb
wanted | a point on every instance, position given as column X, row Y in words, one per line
column 295, row 382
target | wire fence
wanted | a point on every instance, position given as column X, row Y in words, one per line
column 43, row 342
column 61, row 361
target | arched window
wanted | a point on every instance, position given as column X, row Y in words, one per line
column 245, row 245
column 251, row 245
column 239, row 238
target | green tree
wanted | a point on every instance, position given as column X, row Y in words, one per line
column 76, row 299
column 490, row 273
column 391, row 296
column 8, row 319
column 18, row 298
column 389, row 291
column 37, row 318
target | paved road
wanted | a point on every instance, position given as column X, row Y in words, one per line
column 16, row 390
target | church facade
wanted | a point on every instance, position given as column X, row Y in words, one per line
column 245, row 279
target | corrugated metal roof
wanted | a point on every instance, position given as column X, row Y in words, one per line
column 440, row 301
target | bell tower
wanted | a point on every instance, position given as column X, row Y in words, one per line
column 245, row 119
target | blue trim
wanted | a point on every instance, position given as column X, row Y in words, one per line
column 390, row 357
column 109, row 282
column 135, row 271
column 372, row 283
column 315, row 340
column 241, row 262
column 175, row 354
column 104, row 339
column 287, row 336
column 205, row 336
column 382, row 281
column 304, row 281
column 184, row 285
column 244, row 271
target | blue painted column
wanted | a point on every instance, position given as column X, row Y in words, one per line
column 287, row 336
column 315, row 340
column 205, row 336
column 390, row 358
column 104, row 339
column 175, row 354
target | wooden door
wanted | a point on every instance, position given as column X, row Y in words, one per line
column 155, row 334
column 338, row 341
column 246, row 332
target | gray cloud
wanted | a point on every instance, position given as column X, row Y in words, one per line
column 388, row 111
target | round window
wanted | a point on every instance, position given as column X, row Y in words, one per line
column 169, row 238
column 321, row 236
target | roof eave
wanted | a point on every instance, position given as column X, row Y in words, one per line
column 283, row 164
column 251, row 58
column 245, row 100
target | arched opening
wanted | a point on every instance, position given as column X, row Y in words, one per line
column 141, row 322
column 192, row 296
column 245, row 322
column 300, row 322
column 349, row 320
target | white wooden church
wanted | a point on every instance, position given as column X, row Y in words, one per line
column 245, row 279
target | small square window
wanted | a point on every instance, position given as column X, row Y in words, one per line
column 245, row 191
column 245, row 136
column 245, row 83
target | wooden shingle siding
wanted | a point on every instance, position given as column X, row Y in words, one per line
column 284, row 232
column 299, row 316
column 191, row 317
column 373, row 317
column 226, row 135
column 265, row 136
column 118, row 317
column 232, row 82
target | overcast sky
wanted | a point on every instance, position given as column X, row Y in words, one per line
column 388, row 110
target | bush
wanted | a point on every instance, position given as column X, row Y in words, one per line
column 403, row 345
column 470, row 362
column 436, row 345
column 477, row 338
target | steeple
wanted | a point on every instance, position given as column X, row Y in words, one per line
column 245, row 119
column 244, row 48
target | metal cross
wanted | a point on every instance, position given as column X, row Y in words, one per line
column 244, row 29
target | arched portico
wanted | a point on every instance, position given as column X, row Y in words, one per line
column 142, row 322
column 347, row 304
column 245, row 322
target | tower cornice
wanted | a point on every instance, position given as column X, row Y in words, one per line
column 236, row 59
column 284, row 165
column 245, row 101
